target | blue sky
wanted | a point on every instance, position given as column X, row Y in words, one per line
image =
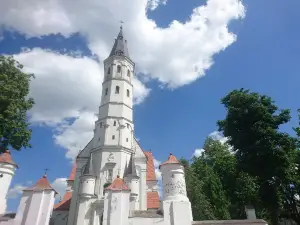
column 174, row 118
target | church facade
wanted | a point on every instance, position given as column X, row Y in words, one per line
column 113, row 180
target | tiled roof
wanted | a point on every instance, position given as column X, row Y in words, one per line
column 152, row 200
column 118, row 185
column 73, row 172
column 171, row 160
column 41, row 185
column 64, row 204
column 150, row 167
column 6, row 158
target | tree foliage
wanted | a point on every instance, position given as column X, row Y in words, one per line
column 14, row 104
column 262, row 151
column 259, row 165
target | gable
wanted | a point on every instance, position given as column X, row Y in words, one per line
column 139, row 153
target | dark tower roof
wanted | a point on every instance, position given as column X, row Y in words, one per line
column 88, row 170
column 131, row 169
column 120, row 46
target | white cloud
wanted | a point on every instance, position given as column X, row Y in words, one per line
column 176, row 55
column 70, row 87
column 198, row 152
column 67, row 88
column 153, row 4
column 15, row 191
column 218, row 136
column 60, row 185
column 157, row 171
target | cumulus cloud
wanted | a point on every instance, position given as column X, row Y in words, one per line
column 15, row 191
column 67, row 88
column 157, row 171
column 67, row 93
column 176, row 55
column 153, row 4
column 59, row 184
column 216, row 135
column 198, row 152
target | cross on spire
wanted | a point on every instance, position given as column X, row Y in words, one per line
column 46, row 170
column 121, row 22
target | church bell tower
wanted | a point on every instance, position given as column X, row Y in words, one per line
column 114, row 126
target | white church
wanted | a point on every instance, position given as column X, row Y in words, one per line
column 113, row 180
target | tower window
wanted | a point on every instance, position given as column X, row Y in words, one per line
column 128, row 73
column 115, row 123
column 108, row 71
column 113, row 137
column 119, row 69
column 126, row 139
column 106, row 91
column 101, row 124
column 117, row 90
column 128, row 93
column 127, row 124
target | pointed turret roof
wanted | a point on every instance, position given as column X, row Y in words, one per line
column 42, row 185
column 131, row 169
column 118, row 185
column 171, row 160
column 120, row 46
column 5, row 157
column 88, row 170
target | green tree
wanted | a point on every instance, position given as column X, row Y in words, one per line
column 252, row 124
column 201, row 207
column 14, row 104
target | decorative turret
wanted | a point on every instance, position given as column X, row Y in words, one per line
column 116, row 203
column 88, row 180
column 175, row 200
column 174, row 187
column 131, row 178
column 7, row 171
column 36, row 204
column 132, row 181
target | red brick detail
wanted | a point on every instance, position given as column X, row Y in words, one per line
column 64, row 204
column 118, row 185
column 5, row 157
column 150, row 167
column 153, row 200
column 73, row 172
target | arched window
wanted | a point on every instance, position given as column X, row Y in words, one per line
column 106, row 91
column 115, row 123
column 119, row 69
column 128, row 93
column 128, row 73
column 117, row 90
column 108, row 71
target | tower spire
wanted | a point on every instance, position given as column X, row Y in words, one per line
column 131, row 169
column 88, row 170
column 120, row 45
